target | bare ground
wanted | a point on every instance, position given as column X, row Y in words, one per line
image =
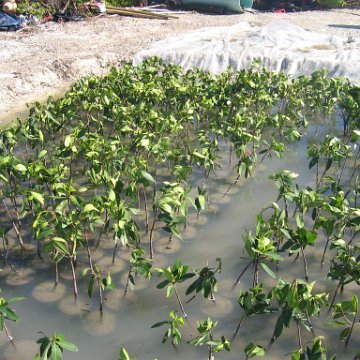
column 44, row 60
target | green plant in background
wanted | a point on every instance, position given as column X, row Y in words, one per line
column 122, row 3
column 173, row 331
column 51, row 348
column 38, row 8
column 333, row 3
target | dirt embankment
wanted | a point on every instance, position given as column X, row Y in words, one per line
column 45, row 60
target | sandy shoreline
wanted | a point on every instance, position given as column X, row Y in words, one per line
column 45, row 60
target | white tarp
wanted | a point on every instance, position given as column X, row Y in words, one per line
column 279, row 46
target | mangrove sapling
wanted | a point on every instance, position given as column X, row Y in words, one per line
column 53, row 347
column 252, row 350
column 244, row 168
column 287, row 191
column 173, row 331
column 173, row 198
column 345, row 314
column 138, row 265
column 260, row 248
column 174, row 274
column 125, row 229
column 317, row 351
column 299, row 239
column 296, row 302
column 332, row 149
column 96, row 276
column 254, row 302
column 278, row 223
column 5, row 242
column 327, row 224
column 344, row 267
column 205, row 329
column 206, row 283
column 6, row 313
column 200, row 200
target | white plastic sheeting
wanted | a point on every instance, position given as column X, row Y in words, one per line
column 279, row 46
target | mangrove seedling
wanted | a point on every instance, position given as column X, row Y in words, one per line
column 6, row 313
column 260, row 248
column 316, row 352
column 53, row 347
column 345, row 315
column 254, row 302
column 138, row 265
column 173, row 331
column 344, row 267
column 296, row 302
column 206, row 283
column 174, row 274
column 205, row 329
column 96, row 277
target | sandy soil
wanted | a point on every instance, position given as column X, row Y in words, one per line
column 43, row 60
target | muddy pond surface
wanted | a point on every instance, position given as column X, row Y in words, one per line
column 127, row 321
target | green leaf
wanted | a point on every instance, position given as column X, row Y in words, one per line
column 67, row 141
column 345, row 334
column 147, row 176
column 268, row 270
column 89, row 207
column 56, row 352
column 68, row 345
column 162, row 284
column 252, row 350
column 14, row 299
column 37, row 197
column 20, row 167
column 278, row 328
column 170, row 290
column 299, row 222
column 161, row 323
column 91, row 286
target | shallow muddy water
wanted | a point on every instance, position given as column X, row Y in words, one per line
column 127, row 321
